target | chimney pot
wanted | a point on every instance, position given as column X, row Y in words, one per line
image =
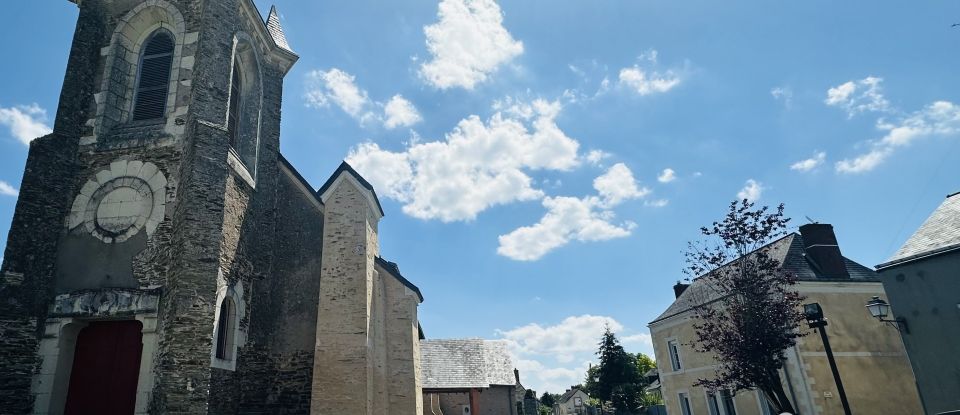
column 679, row 288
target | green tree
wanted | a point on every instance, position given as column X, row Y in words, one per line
column 548, row 399
column 617, row 377
column 645, row 364
column 752, row 313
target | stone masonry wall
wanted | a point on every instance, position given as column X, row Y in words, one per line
column 342, row 381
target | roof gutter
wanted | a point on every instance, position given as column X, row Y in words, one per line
column 922, row 255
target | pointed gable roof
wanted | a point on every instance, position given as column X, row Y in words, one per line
column 276, row 30
column 345, row 170
column 939, row 233
column 789, row 252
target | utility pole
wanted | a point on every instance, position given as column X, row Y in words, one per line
column 815, row 319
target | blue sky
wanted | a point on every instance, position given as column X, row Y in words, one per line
column 521, row 149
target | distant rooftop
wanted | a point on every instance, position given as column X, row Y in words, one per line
column 465, row 363
column 940, row 233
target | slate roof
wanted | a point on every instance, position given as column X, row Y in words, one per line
column 789, row 251
column 345, row 167
column 568, row 395
column 394, row 270
column 940, row 233
column 276, row 31
column 465, row 363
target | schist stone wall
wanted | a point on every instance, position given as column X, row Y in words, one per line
column 164, row 221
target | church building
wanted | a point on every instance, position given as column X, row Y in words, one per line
column 164, row 257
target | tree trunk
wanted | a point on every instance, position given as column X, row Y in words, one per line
column 777, row 388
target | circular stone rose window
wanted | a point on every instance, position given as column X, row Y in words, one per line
column 119, row 202
column 120, row 209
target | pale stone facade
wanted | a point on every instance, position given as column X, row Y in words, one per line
column 873, row 364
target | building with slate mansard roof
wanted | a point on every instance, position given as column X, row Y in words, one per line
column 922, row 280
column 165, row 258
column 872, row 362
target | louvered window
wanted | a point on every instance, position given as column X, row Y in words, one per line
column 153, row 81
column 233, row 120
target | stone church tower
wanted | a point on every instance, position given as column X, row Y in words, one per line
column 165, row 258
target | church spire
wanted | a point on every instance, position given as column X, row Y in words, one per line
column 276, row 31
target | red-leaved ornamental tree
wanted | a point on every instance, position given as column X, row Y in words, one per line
column 747, row 312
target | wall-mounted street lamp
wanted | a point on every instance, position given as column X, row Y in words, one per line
column 880, row 309
column 815, row 319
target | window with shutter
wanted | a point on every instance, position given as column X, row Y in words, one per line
column 153, row 80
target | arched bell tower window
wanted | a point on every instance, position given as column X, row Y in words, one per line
column 153, row 78
column 236, row 100
column 226, row 330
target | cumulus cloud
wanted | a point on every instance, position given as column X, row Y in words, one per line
column 467, row 44
column 645, row 82
column 569, row 219
column 667, row 176
column 400, row 113
column 337, row 87
column 478, row 165
column 617, row 185
column 596, row 157
column 855, row 97
column 553, row 357
column 811, row 163
column 939, row 118
column 751, row 191
column 25, row 122
column 7, row 190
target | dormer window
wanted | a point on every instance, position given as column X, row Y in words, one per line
column 153, row 78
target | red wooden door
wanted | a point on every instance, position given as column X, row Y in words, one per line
column 106, row 365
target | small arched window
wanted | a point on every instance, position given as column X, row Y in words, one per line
column 226, row 330
column 153, row 80
column 236, row 100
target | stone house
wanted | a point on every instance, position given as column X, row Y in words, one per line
column 872, row 363
column 164, row 257
column 922, row 280
column 468, row 377
column 572, row 402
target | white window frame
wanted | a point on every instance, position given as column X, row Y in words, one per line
column 684, row 396
column 721, row 408
column 674, row 344
column 237, row 336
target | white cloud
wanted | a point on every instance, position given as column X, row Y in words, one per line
column 338, row 87
column 811, row 163
column 569, row 219
column 400, row 113
column 553, row 357
column 667, row 176
column 8, row 190
column 783, row 93
column 646, row 82
column 468, row 43
column 657, row 203
column 856, row 97
column 617, row 185
column 939, row 118
column 751, row 191
column 25, row 122
column 596, row 157
column 478, row 165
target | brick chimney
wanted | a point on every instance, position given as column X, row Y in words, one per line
column 821, row 248
column 679, row 288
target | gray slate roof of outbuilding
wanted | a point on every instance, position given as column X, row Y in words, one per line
column 788, row 250
column 465, row 363
column 940, row 232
